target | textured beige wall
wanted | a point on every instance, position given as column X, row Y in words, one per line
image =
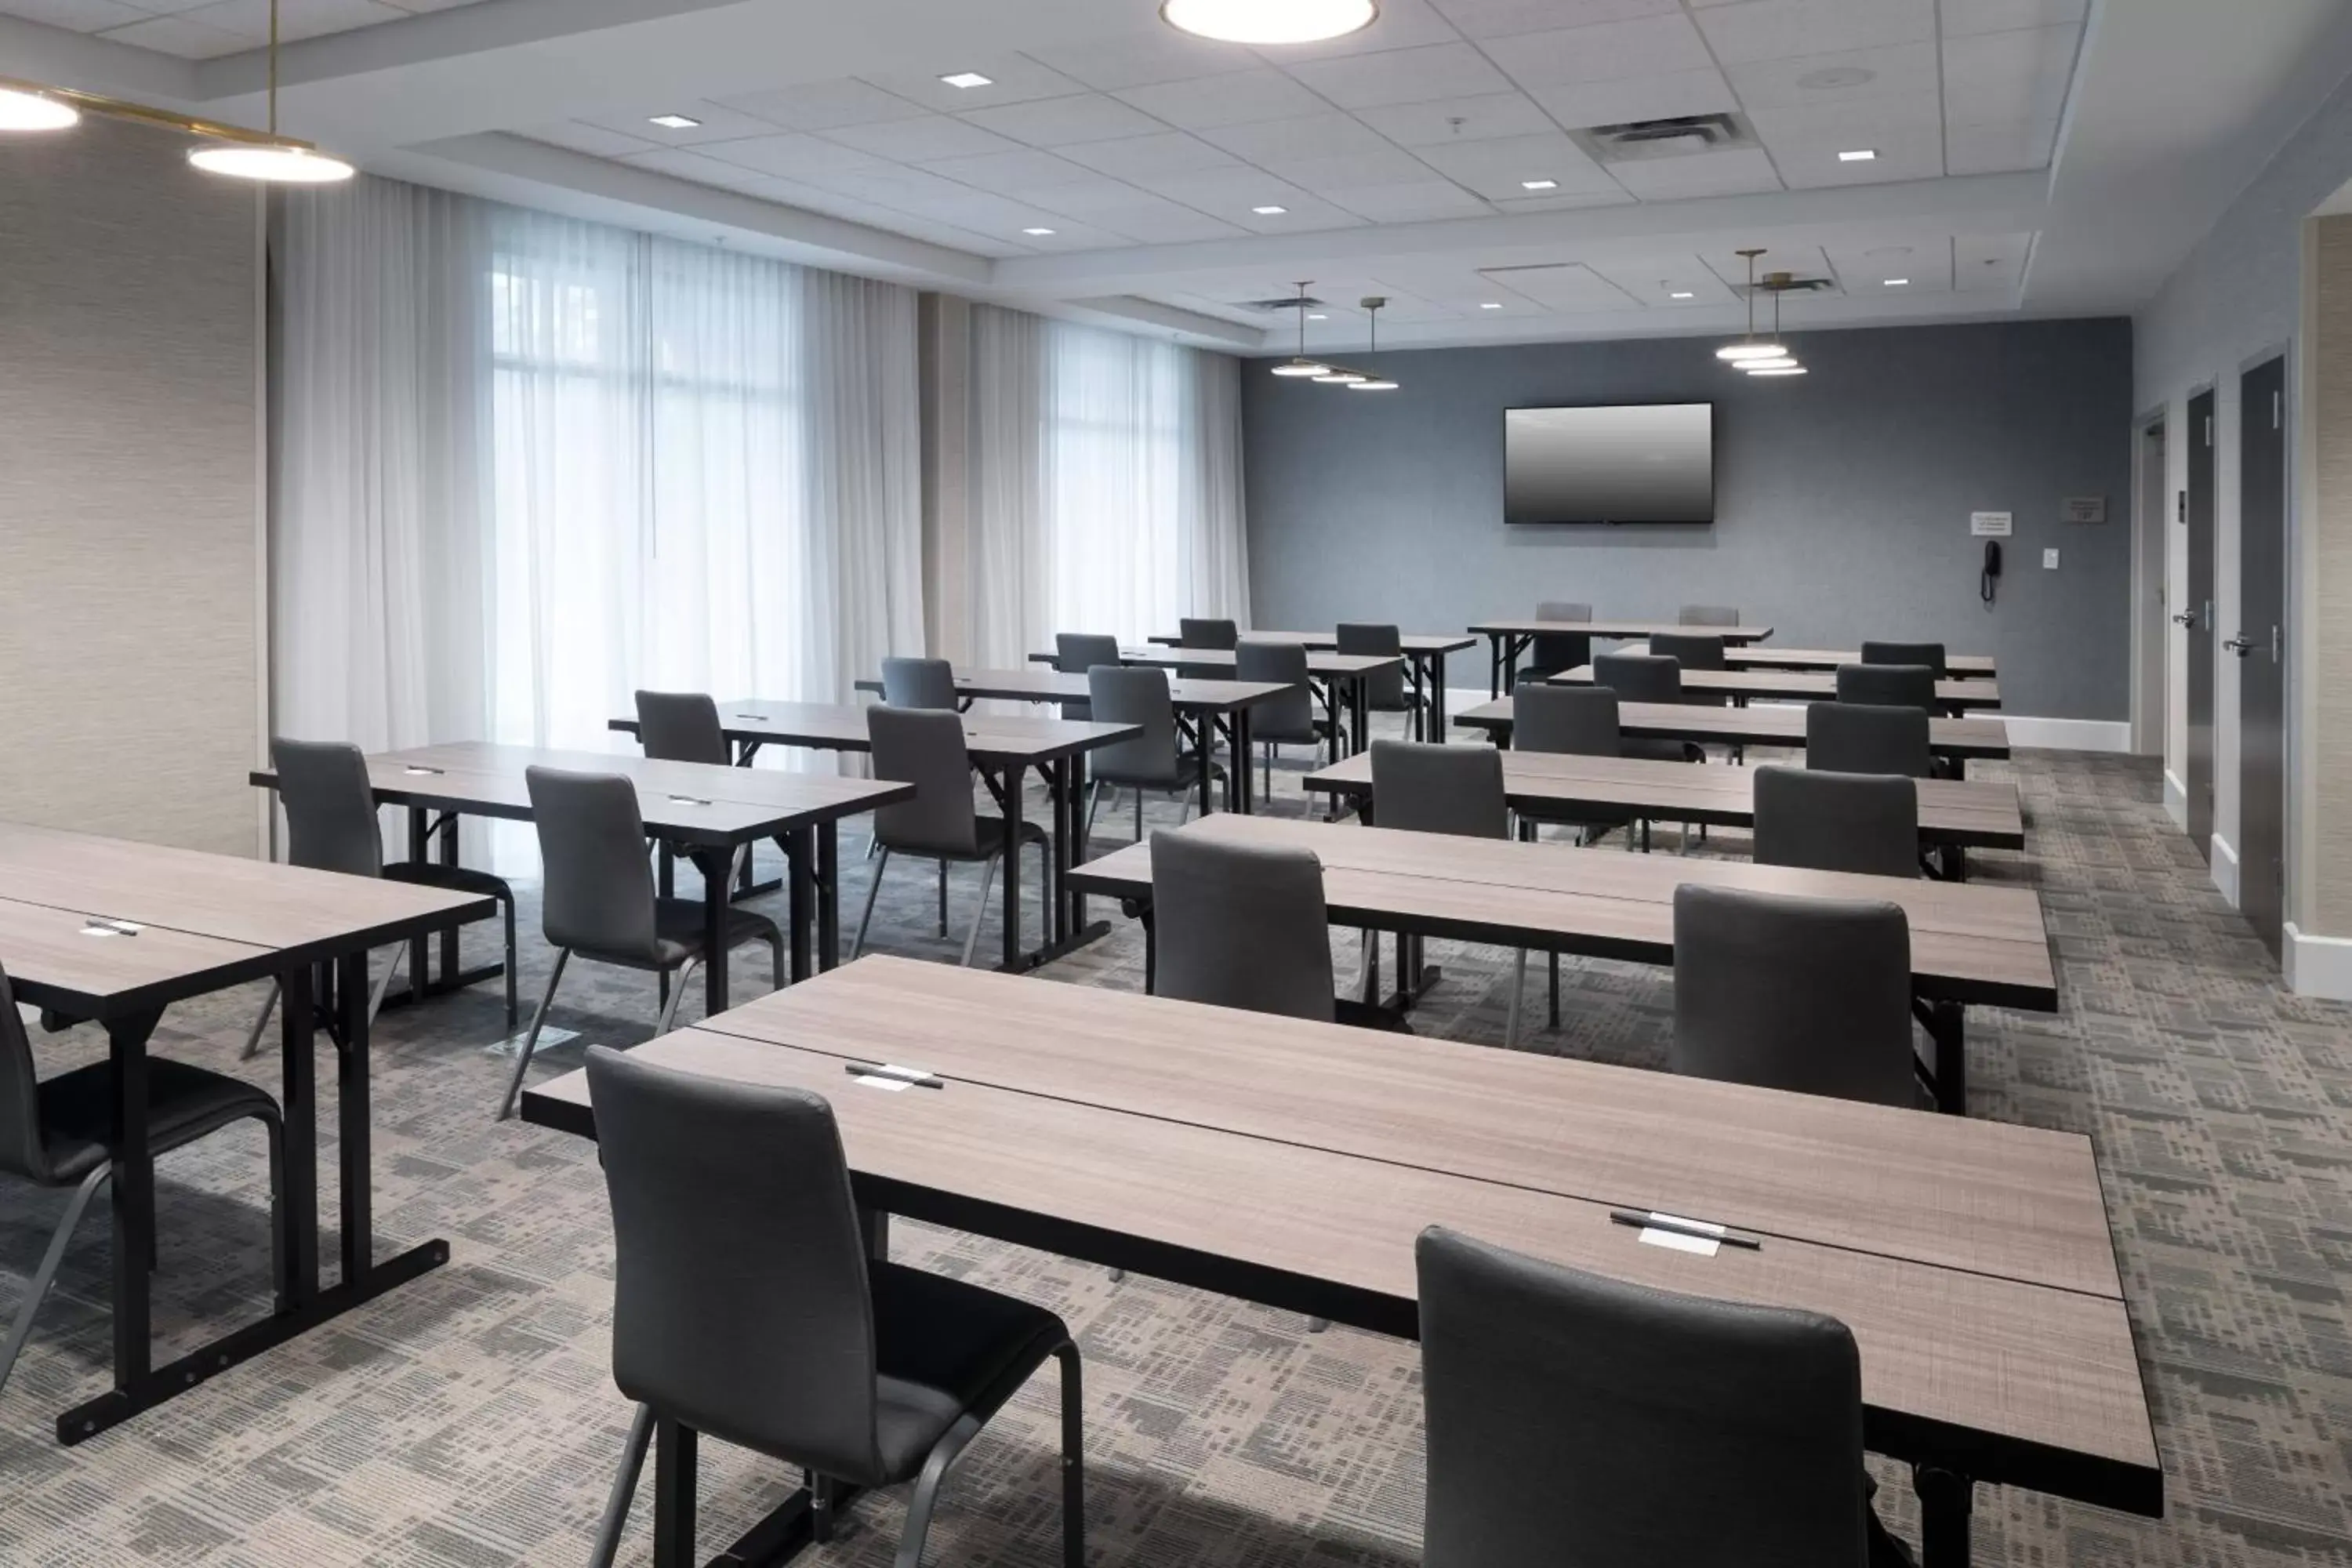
column 2329, row 687
column 130, row 483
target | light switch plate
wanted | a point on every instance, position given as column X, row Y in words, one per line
column 2050, row 561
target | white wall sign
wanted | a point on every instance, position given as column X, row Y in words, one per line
column 1990, row 524
column 2083, row 508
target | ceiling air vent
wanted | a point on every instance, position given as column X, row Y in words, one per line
column 1286, row 302
column 1640, row 141
column 1773, row 283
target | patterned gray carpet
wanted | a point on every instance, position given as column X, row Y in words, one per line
column 470, row 1420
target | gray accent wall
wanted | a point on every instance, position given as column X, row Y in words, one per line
column 1841, row 497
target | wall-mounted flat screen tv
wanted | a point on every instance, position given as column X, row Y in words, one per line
column 1650, row 463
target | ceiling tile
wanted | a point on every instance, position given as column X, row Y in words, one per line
column 1444, row 120
column 582, row 137
column 1428, row 202
column 1356, row 171
column 1804, row 260
column 923, row 140
column 1150, row 220
column 684, row 163
column 1983, row 262
column 717, row 123
column 1063, row 122
column 1729, row 172
column 1580, row 105
column 794, row 156
column 1015, row 172
column 1307, row 213
column 1616, row 196
column 1137, row 157
column 1995, row 77
column 1568, row 287
column 1963, row 18
column 1778, row 30
column 78, row 16
column 1162, row 55
column 1863, row 270
column 1869, row 123
column 1326, row 136
column 1227, row 193
column 1911, row 152
column 1012, row 78
column 1655, row 281
column 821, row 105
column 178, row 36
column 1401, row 25
column 1644, row 47
column 908, row 190
column 1497, row 168
column 1500, row 19
column 1402, row 76
column 1237, row 98
column 1851, row 76
column 2000, row 149
column 308, row 19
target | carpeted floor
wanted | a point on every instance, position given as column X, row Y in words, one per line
column 469, row 1419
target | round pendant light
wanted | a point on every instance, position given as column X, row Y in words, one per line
column 23, row 110
column 1378, row 383
column 1332, row 377
column 277, row 166
column 1779, row 369
column 1301, row 367
column 1778, row 361
column 1740, row 354
column 1269, row 21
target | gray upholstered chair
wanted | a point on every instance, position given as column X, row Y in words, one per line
column 1555, row 1399
column 1828, row 821
column 1709, row 616
column 330, row 826
column 1868, row 738
column 925, row 748
column 1385, row 690
column 1648, row 677
column 597, row 899
column 55, row 1134
column 681, row 727
column 1548, row 653
column 1568, row 721
column 1289, row 719
column 745, row 1308
column 1241, row 925
column 1208, row 632
column 1429, row 788
column 1074, row 653
column 1691, row 650
column 1809, row 994
column 1930, row 654
column 1888, row 685
column 919, row 683
column 1152, row 760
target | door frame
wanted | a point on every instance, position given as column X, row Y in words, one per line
column 2151, row 677
column 2191, row 604
column 2282, row 350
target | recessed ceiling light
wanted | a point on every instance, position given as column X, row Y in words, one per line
column 673, row 122
column 1538, row 184
column 1898, row 282
column 1269, row 21
column 1681, row 294
column 1039, row 233
column 1858, row 155
column 1269, row 211
column 1490, row 304
column 1317, row 316
column 969, row 78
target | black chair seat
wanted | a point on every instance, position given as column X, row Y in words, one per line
column 1663, row 750
column 1186, row 774
column 1317, row 730
column 677, row 925
column 942, row 1347
column 457, row 878
column 183, row 1103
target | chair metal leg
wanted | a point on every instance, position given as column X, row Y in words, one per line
column 46, row 1274
column 281, row 1266
column 1267, row 771
column 1094, row 799
column 926, row 1491
column 530, row 1040
column 1518, row 986
column 1191, row 795
column 669, row 1008
column 943, row 898
column 624, row 1487
column 375, row 994
column 775, row 960
column 1074, row 1460
column 987, row 876
column 857, row 944
column 512, row 966
column 1552, row 1019
column 253, row 1040
column 1138, row 813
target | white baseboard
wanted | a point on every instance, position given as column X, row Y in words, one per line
column 2069, row 734
column 2176, row 800
column 2318, row 966
column 2225, row 869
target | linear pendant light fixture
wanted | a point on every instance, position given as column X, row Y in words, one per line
column 1375, row 381
column 1781, row 362
column 1324, row 374
column 1302, row 365
column 1269, row 21
column 230, row 150
column 1748, row 347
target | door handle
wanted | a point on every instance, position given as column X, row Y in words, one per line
column 2240, row 646
column 2185, row 618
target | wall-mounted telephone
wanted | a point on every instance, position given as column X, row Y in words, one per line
column 1988, row 581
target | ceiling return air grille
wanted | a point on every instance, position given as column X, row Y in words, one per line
column 1647, row 141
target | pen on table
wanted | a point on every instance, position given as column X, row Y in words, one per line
column 1698, row 1232
column 871, row 1069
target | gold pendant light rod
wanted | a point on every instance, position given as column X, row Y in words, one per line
column 170, row 120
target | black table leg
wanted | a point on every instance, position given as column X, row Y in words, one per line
column 828, row 895
column 1056, row 775
column 1436, row 708
column 1204, row 747
column 1013, row 774
column 298, row 1100
column 1494, row 667
column 1946, row 1026
column 353, row 1159
column 715, row 864
column 446, row 830
column 133, row 1195
column 1946, row 1500
column 1074, row 850
column 419, row 945
column 1241, row 787
column 799, row 871
column 1359, row 694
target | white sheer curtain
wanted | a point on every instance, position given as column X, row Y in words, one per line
column 1106, row 484
column 528, row 465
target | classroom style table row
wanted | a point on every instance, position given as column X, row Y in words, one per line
column 1340, row 682
column 1424, row 656
column 1507, row 641
column 1954, row 741
column 1292, row 1164
column 113, row 932
column 1741, row 687
column 1826, row 660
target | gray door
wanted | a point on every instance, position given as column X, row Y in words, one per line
column 2260, row 644
column 2196, row 617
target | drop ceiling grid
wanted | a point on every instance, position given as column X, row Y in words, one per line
column 205, row 29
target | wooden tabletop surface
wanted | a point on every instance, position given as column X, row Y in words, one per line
column 1970, row 941
column 1411, row 642
column 1754, row 726
column 1975, row 814
column 98, row 926
column 1795, row 685
column 1317, row 663
column 1311, row 1150
column 1041, row 685
column 1615, row 631
column 1958, row 665
column 989, row 738
column 692, row 801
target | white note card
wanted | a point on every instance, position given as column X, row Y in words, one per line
column 1678, row 1238
column 879, row 1080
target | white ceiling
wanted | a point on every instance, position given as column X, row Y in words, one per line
column 1399, row 155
